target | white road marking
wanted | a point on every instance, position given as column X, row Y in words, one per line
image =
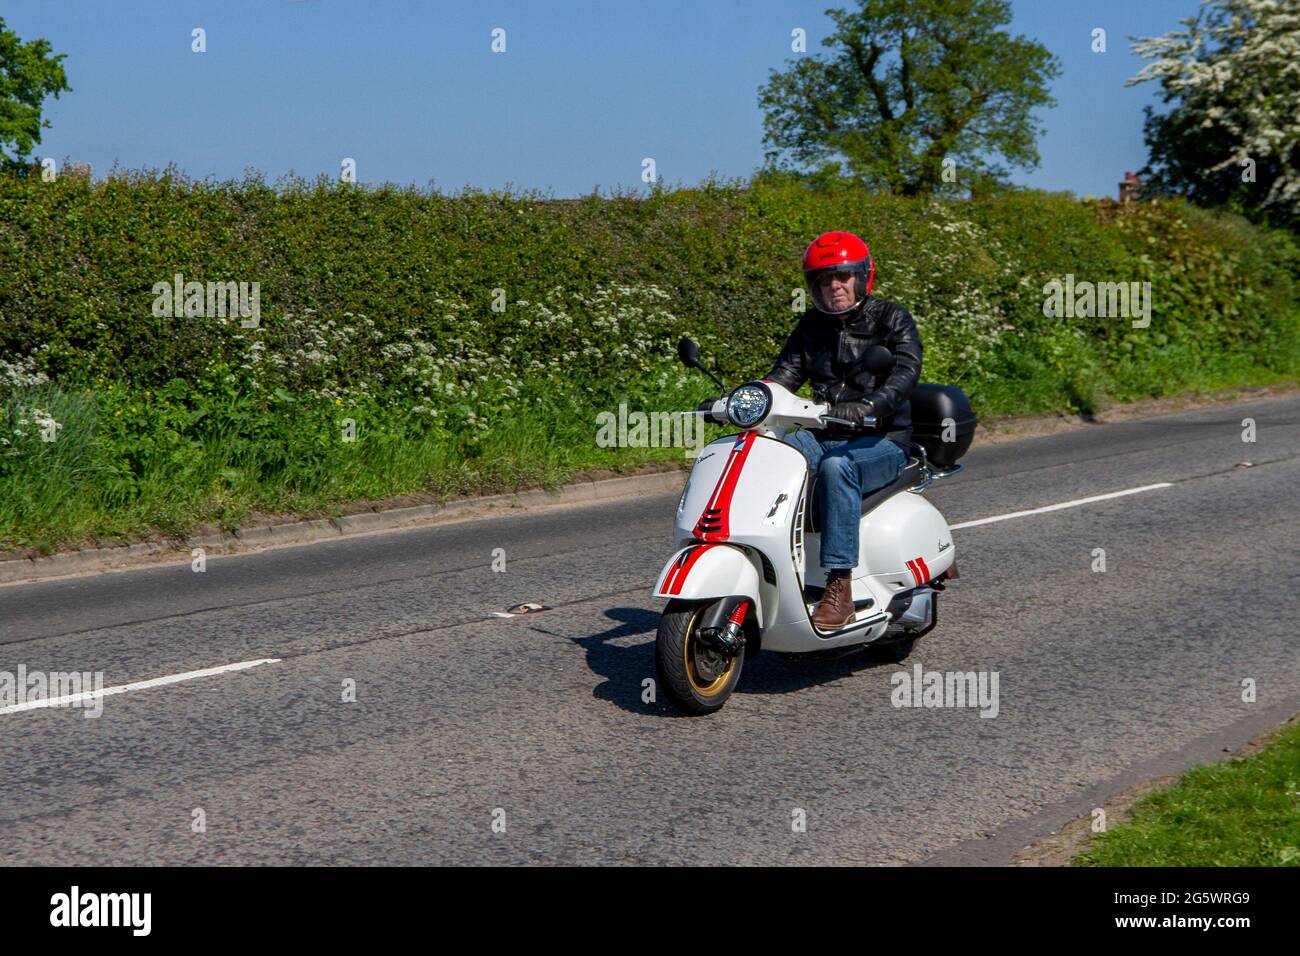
column 1064, row 504
column 138, row 685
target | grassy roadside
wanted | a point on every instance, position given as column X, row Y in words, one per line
column 73, row 492
column 522, row 455
column 391, row 342
column 1241, row 812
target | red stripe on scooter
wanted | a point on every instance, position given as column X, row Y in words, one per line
column 687, row 565
column 911, row 566
column 677, row 574
column 668, row 573
column 925, row 570
column 719, row 503
column 674, row 569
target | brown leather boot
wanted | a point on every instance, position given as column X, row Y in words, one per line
column 835, row 609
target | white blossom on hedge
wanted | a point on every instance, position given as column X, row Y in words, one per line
column 1238, row 62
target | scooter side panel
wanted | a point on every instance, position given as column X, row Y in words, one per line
column 903, row 543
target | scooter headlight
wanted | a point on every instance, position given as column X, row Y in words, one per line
column 749, row 404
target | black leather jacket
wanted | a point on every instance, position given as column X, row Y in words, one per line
column 830, row 351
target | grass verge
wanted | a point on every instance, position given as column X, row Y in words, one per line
column 1241, row 812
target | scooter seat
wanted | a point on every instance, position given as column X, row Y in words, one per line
column 910, row 476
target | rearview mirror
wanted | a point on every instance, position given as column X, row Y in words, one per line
column 688, row 352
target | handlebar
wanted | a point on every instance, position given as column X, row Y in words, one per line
column 868, row 421
column 707, row 409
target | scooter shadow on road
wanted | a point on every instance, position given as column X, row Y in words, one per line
column 625, row 669
column 770, row 672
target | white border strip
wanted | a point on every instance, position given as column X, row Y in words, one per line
column 1064, row 504
column 138, row 685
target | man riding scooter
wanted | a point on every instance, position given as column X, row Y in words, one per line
column 740, row 575
column 829, row 345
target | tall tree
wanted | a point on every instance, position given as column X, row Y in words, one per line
column 1232, row 135
column 28, row 73
column 908, row 85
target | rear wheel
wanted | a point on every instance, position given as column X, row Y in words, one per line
column 695, row 676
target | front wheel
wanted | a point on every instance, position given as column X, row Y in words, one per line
column 696, row 677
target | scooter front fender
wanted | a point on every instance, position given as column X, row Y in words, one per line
column 712, row 570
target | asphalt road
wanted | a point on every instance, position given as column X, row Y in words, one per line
column 537, row 722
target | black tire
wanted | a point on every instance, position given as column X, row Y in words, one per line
column 692, row 677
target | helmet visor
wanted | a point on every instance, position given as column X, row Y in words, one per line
column 838, row 289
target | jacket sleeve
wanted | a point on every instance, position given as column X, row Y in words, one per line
column 790, row 369
column 905, row 342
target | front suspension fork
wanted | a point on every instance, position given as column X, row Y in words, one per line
column 723, row 624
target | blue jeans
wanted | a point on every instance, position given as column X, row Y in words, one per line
column 847, row 470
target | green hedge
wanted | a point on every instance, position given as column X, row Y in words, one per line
column 377, row 305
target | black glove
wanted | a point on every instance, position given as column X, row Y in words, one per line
column 854, row 412
column 706, row 406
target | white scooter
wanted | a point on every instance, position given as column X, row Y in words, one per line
column 746, row 574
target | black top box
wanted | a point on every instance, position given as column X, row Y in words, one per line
column 933, row 404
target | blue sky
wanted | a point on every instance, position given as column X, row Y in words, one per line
column 584, row 91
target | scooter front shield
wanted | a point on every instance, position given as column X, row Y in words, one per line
column 743, row 488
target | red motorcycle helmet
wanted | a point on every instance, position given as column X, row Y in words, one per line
column 838, row 252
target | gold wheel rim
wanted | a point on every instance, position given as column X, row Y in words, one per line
column 690, row 646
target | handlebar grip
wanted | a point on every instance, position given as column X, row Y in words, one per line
column 705, row 408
